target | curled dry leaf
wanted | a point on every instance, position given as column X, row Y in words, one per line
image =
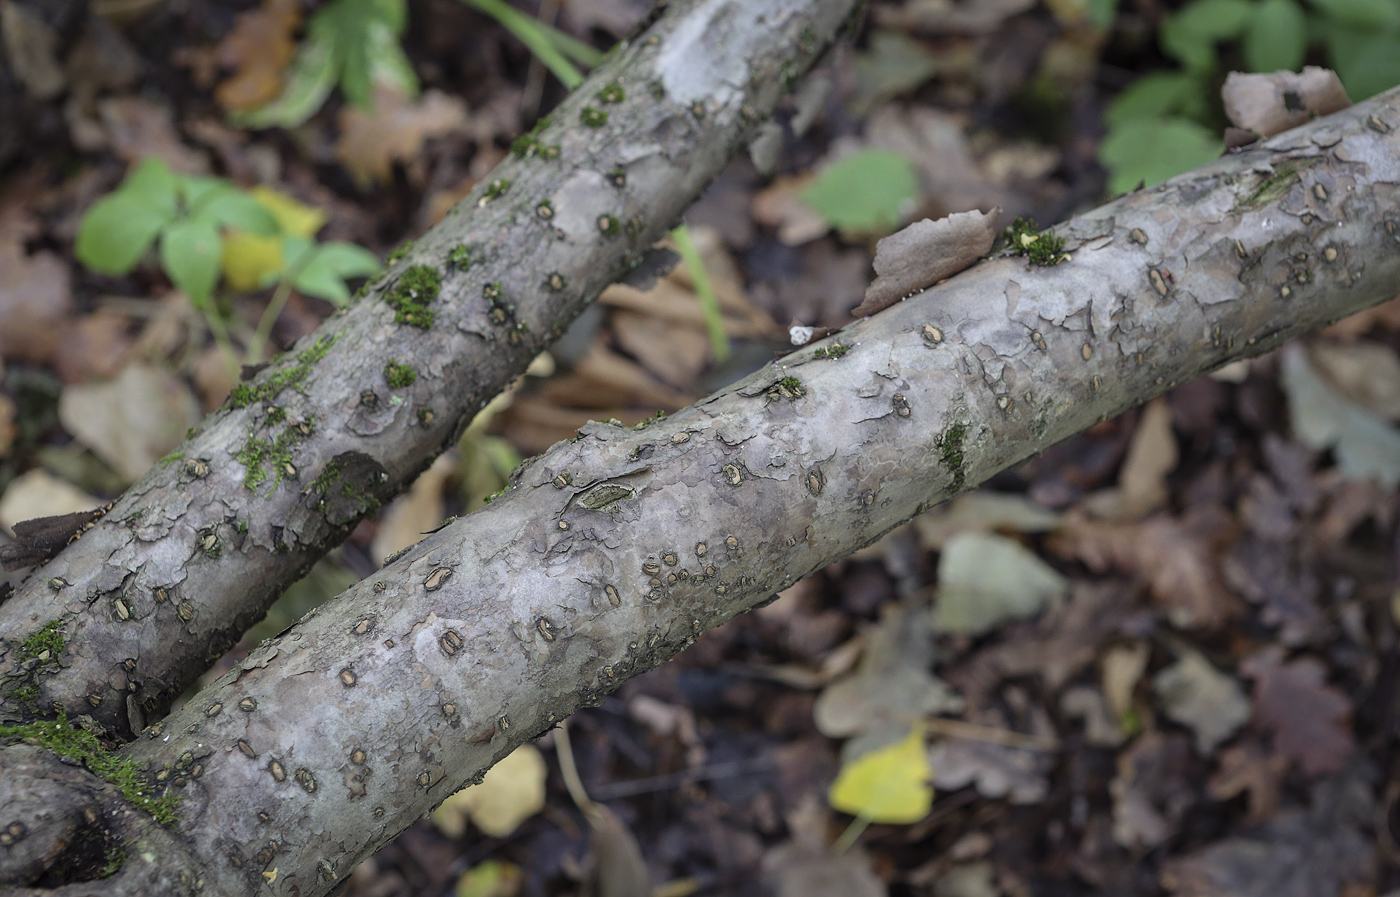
column 924, row 253
column 371, row 141
column 1269, row 104
column 258, row 48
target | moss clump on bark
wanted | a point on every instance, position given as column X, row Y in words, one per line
column 245, row 394
column 65, row 740
column 416, row 289
column 398, row 375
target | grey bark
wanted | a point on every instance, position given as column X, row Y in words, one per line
column 612, row 552
column 199, row 548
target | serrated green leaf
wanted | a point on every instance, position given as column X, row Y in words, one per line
column 1369, row 14
column 323, row 271
column 1276, row 38
column 117, row 230
column 190, row 252
column 1102, row 12
column 1150, row 150
column 1157, row 95
column 389, row 65
column 1190, row 35
column 196, row 190
column 235, row 208
column 865, row 192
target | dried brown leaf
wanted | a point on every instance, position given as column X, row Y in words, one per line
column 1142, row 482
column 258, row 48
column 35, row 294
column 1271, row 103
column 371, row 141
column 924, row 253
column 1310, row 721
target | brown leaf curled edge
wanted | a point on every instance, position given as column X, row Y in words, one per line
column 924, row 253
column 1270, row 104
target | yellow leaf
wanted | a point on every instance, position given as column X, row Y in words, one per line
column 294, row 218
column 248, row 258
column 491, row 878
column 890, row 785
column 512, row 792
column 251, row 260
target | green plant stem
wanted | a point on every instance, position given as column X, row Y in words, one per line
column 535, row 36
column 704, row 291
column 220, row 333
column 268, row 319
column 849, row 836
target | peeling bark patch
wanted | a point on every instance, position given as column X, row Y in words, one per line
column 435, row 579
column 605, row 496
column 277, row 771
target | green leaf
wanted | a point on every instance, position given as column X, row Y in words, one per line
column 232, row 207
column 155, row 185
column 1190, row 35
column 1149, row 150
column 1367, row 63
column 189, row 252
column 1277, row 38
column 322, row 271
column 364, row 36
column 1361, row 13
column 865, row 192
column 1157, row 95
column 1102, row 12
column 388, row 64
column 117, row 230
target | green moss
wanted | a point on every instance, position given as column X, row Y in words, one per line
column 549, row 150
column 593, row 118
column 116, row 859
column 245, row 394
column 612, row 93
column 399, row 375
column 416, row 288
column 171, row 459
column 269, row 459
column 950, row 451
column 609, row 225
column 1040, row 247
column 77, row 744
column 460, row 257
column 399, row 251
column 46, row 639
column 835, row 350
column 498, row 187
column 545, row 209
column 633, row 227
column 789, row 388
column 658, row 90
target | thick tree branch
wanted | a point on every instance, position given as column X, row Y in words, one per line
column 612, row 552
column 197, row 550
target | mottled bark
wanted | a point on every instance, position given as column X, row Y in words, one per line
column 198, row 549
column 611, row 552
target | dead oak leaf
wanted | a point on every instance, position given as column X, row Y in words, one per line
column 1308, row 719
column 258, row 49
column 372, row 140
column 1176, row 557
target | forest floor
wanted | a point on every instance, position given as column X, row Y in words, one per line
column 1179, row 676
